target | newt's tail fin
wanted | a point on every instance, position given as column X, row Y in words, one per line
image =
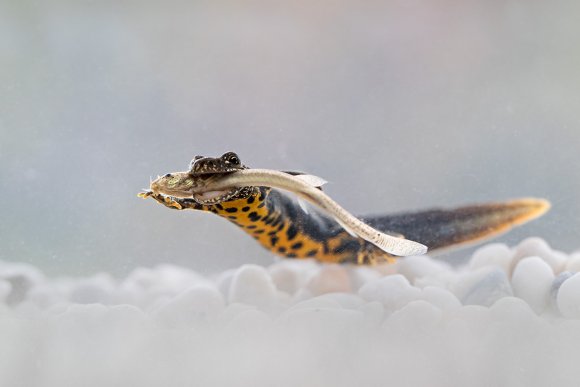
column 441, row 228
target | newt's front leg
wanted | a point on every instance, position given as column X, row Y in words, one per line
column 171, row 201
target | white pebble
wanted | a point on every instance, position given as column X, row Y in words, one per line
column 416, row 315
column 224, row 280
column 22, row 278
column 573, row 263
column 96, row 289
column 201, row 304
column 531, row 282
column 569, row 297
column 5, row 289
column 538, row 247
column 555, row 288
column 85, row 314
column 482, row 287
column 494, row 254
column 441, row 298
column 476, row 317
column 177, row 279
column 285, row 278
column 252, row 285
column 393, row 291
column 374, row 313
column 316, row 303
column 345, row 300
column 333, row 322
column 360, row 275
column 251, row 321
column 330, row 279
column 233, row 310
column 512, row 310
column 420, row 266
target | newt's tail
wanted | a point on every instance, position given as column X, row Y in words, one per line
column 442, row 228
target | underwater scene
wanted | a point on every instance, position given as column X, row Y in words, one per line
column 306, row 193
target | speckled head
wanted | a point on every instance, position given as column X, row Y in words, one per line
column 204, row 167
column 228, row 162
column 182, row 184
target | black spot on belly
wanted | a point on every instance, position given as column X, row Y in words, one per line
column 291, row 255
column 273, row 233
column 262, row 196
column 251, row 227
column 232, row 217
column 274, row 240
column 311, row 253
column 231, row 209
column 281, row 249
column 259, row 232
column 219, row 206
column 250, row 200
column 253, row 216
column 291, row 232
column 296, row 246
column 246, row 209
column 261, row 205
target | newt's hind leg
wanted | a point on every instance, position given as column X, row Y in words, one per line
column 373, row 256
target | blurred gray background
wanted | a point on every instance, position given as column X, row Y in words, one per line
column 400, row 104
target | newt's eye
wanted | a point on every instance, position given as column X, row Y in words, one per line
column 231, row 158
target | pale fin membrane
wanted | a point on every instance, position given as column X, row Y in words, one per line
column 302, row 203
column 314, row 181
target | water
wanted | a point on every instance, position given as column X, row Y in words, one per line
column 400, row 105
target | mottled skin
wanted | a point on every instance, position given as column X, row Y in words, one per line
column 281, row 225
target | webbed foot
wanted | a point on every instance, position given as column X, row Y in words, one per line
column 167, row 201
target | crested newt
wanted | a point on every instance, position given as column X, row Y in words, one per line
column 285, row 227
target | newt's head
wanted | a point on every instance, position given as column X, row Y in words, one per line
column 228, row 162
column 202, row 169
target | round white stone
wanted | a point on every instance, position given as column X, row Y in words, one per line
column 393, row 291
column 573, row 263
column 494, row 254
column 198, row 304
column 330, row 279
column 531, row 247
column 441, row 298
column 569, row 297
column 420, row 266
column 482, row 287
column 531, row 282
column 252, row 285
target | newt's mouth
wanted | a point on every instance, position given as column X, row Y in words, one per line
column 214, row 197
column 189, row 185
